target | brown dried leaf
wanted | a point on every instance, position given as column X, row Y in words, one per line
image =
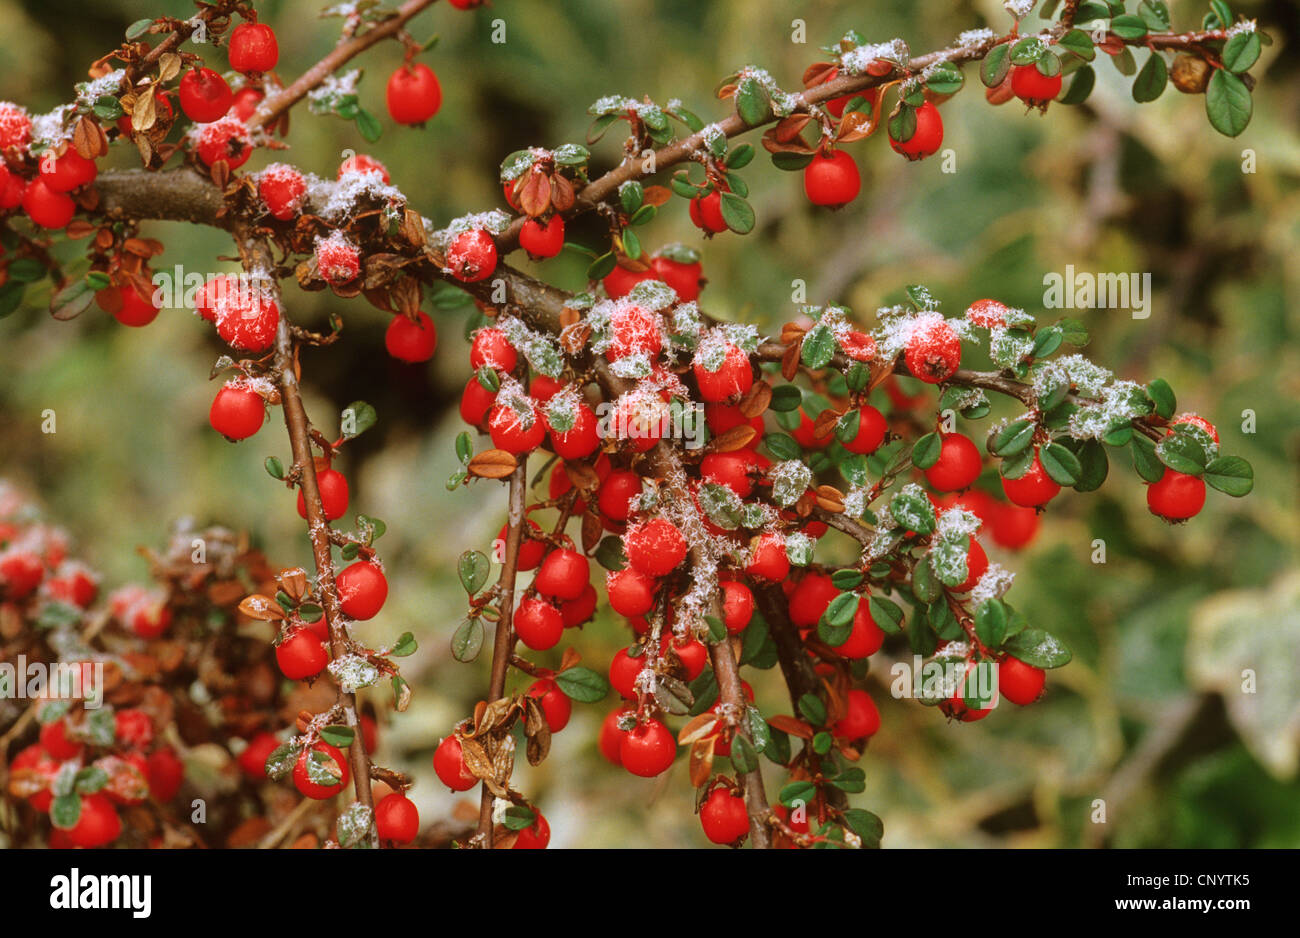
column 293, row 581
column 790, row 361
column 831, row 499
column 825, row 423
column 656, row 195
column 697, row 728
column 169, row 66
column 592, row 528
column 79, row 228
column 537, row 731
column 756, row 400
column 85, row 138
column 535, row 196
column 570, row 659
column 736, row 438
column 582, row 475
column 562, row 195
column 144, row 112
column 788, row 724
column 701, row 760
column 249, row 832
column 261, row 608
column 817, row 73
column 856, row 125
column 492, row 464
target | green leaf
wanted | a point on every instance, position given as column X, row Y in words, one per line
column 1128, row 26
column 994, row 68
column 473, row 569
column 914, row 511
column 786, row 397
column 944, row 78
column 467, row 640
column 631, row 194
column 405, row 646
column 65, row 811
column 1162, row 395
column 1014, row 438
column 925, row 583
column 744, row 757
column 1060, row 464
column 138, row 29
column 791, row 162
column 797, row 794
column 368, row 125
column 751, row 102
column 11, row 296
column 1227, row 103
column 1046, row 342
column 886, row 614
column 1241, row 52
column 643, row 215
column 27, row 270
column 740, row 157
column 1231, row 475
column 812, row 709
column 1027, row 50
column 782, row 446
column 518, row 817
column 737, row 213
column 1094, row 466
column 717, row 629
column 869, row 828
column 601, row 267
column 71, row 301
column 1124, row 62
column 337, row 735
column 1039, row 648
column 89, row 780
column 1183, row 452
column 1079, row 43
column 925, row 452
column 582, row 684
column 356, row 419
column 1155, row 13
column 902, row 124
column 759, row 731
column 847, row 579
column 991, row 622
column 610, row 555
column 274, row 468
column 1144, row 459
column 1151, row 81
column 1080, row 87
column 818, row 347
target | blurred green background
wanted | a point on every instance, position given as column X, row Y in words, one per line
column 1149, row 717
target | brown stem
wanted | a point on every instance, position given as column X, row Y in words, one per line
column 337, row 57
column 504, row 640
column 731, row 692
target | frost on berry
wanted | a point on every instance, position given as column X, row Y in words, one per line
column 336, row 200
column 494, row 223
column 15, row 125
column 790, row 479
column 337, row 258
column 47, row 131
column 633, row 329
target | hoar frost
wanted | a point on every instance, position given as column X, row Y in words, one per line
column 353, row 672
column 993, row 584
column 790, row 479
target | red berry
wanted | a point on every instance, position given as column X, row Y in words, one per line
column 623, row 673
column 237, row 411
column 564, row 574
column 616, row 492
column 301, row 655
column 133, row 728
column 15, row 126
column 55, row 741
column 768, row 559
column 449, row 765
column 46, row 207
column 98, row 823
column 577, row 611
column 542, row 388
column 1032, row 489
column 253, row 759
column 491, row 348
column 282, row 188
column 397, row 819
column 648, row 749
column 837, row 105
column 475, row 402
column 958, row 465
column 362, row 590
column 684, row 275
column 531, row 550
column 634, row 330
column 706, row 213
column 333, row 486
column 337, row 259
column 729, row 469
column 538, row 624
column 581, row 439
column 225, row 139
column 729, row 375
column 466, row 4
column 12, row 188
column 956, row 707
column 74, row 585
column 555, row 703
column 619, row 282
column 127, row 305
column 927, row 137
column 204, row 95
column 737, row 606
column 20, row 573
column 515, row 431
column 320, row 776
column 411, row 341
column 534, row 837
column 1020, row 683
column 858, row 346
column 246, row 101
column 611, row 737
column 933, row 350
column 810, row 599
column 1013, row 527
column 140, row 610
column 165, row 772
column 861, row 718
column 871, row 431
column 542, row 240
column 655, row 548
column 247, row 319
column 253, row 48
column 832, row 180
column 67, row 172
column 1176, row 497
column 1032, row 86
column 865, row 638
column 693, row 656
column 1194, row 420
column 990, row 314
column 361, row 163
column 721, row 418
column 631, row 593
column 414, row 94
column 723, row 816
column 472, row 256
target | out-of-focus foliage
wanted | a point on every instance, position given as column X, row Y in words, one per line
column 1173, row 614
